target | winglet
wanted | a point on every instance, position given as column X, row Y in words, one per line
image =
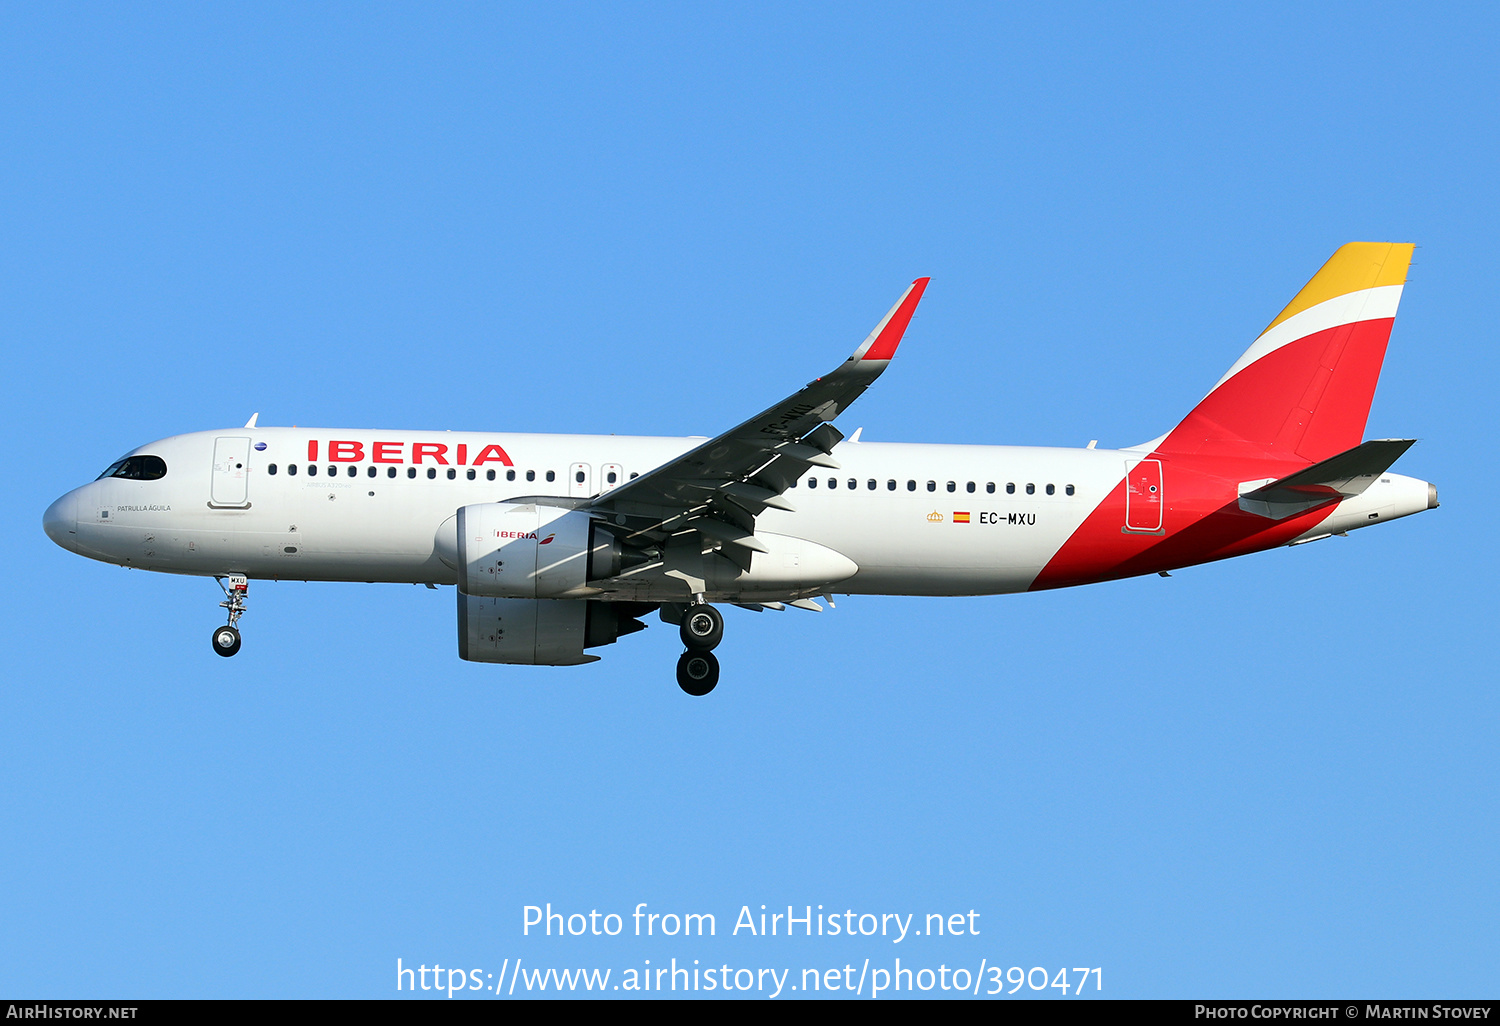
column 882, row 342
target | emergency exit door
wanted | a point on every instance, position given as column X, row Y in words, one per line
column 580, row 481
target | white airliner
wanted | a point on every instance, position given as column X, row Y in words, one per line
column 562, row 543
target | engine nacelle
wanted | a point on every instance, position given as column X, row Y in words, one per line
column 526, row 550
column 547, row 632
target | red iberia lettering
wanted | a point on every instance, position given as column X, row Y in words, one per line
column 346, row 452
column 312, row 450
column 463, row 454
column 433, row 449
column 493, row 452
column 380, row 452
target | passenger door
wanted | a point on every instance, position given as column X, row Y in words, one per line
column 231, row 473
column 1143, row 496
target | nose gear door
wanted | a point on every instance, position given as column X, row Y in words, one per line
column 231, row 473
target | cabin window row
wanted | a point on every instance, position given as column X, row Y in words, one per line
column 432, row 472
column 892, row 485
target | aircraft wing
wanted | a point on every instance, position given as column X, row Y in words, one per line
column 720, row 486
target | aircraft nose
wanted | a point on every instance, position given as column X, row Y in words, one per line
column 61, row 522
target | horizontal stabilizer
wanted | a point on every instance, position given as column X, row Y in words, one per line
column 1332, row 480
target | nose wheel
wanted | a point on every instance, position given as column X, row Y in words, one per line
column 226, row 639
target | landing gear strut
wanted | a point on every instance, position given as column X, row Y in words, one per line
column 702, row 630
column 226, row 639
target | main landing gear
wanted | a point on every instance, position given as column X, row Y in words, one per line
column 698, row 667
column 226, row 639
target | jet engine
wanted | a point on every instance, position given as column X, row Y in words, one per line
column 526, row 550
column 548, row 632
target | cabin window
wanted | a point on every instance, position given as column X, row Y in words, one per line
column 432, row 473
column 1069, row 489
column 833, row 482
column 578, row 477
column 970, row 486
column 635, row 474
column 551, row 475
column 411, row 471
column 870, row 484
column 613, row 477
column 137, row 468
column 374, row 470
column 952, row 487
column 510, row 475
column 1030, row 488
column 531, row 475
column 390, row 471
column 989, row 486
column 1010, row 488
column 489, row 475
column 932, row 486
column 1051, row 489
column 452, row 473
column 471, row 473
column 354, row 471
column 333, row 471
column 271, row 469
column 911, row 485
column 853, row 484
column 890, row 485
column 291, row 469
column 812, row 482
column 312, row 470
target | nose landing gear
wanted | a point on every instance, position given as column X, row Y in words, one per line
column 702, row 630
column 226, row 639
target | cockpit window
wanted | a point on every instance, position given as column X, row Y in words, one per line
column 137, row 468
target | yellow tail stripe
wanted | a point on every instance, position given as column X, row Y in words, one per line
column 1356, row 265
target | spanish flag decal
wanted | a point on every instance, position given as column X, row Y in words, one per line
column 960, row 518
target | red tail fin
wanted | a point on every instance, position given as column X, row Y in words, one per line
column 1304, row 387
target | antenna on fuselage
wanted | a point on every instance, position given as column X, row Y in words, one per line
column 253, row 417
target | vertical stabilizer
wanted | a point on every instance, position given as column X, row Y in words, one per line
column 1304, row 388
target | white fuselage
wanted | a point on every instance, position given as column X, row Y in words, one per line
column 372, row 512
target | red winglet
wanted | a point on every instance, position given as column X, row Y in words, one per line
column 884, row 346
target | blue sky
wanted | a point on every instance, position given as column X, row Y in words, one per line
column 1272, row 776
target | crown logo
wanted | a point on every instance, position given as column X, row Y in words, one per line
column 935, row 517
